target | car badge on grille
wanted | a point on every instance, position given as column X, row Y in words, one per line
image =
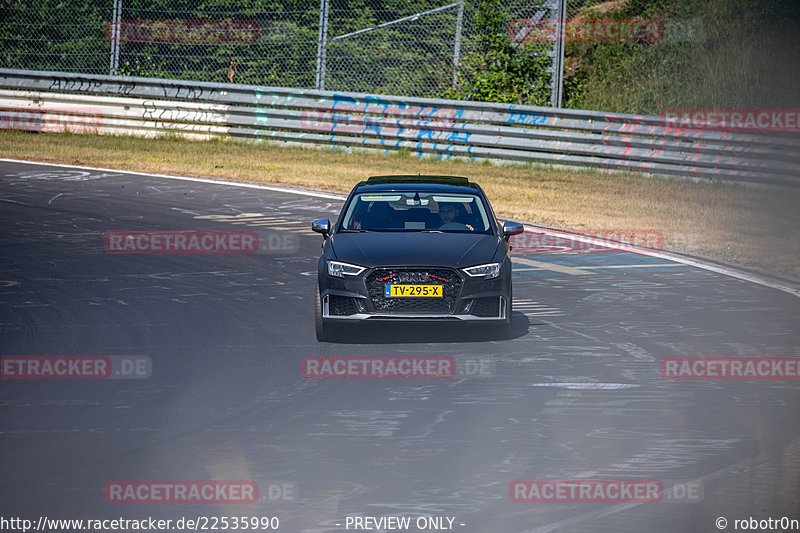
column 413, row 277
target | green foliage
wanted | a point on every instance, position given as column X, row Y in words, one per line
column 502, row 71
column 745, row 55
column 395, row 59
column 46, row 33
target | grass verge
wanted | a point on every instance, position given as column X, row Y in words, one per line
column 749, row 226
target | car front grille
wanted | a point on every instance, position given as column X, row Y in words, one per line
column 446, row 277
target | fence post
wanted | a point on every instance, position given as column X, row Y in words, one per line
column 115, row 37
column 322, row 43
column 457, row 48
column 557, row 78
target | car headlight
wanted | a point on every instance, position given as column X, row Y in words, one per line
column 340, row 270
column 487, row 271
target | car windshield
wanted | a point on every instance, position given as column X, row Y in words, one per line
column 417, row 211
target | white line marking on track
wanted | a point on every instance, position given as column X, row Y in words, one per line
column 187, row 178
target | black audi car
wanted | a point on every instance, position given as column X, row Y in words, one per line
column 414, row 248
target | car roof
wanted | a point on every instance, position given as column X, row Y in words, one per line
column 417, row 183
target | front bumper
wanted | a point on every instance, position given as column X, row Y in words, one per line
column 465, row 299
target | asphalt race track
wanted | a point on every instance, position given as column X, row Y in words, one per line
column 208, row 379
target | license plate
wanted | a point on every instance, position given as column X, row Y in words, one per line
column 413, row 291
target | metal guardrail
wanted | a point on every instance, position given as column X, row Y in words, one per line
column 51, row 101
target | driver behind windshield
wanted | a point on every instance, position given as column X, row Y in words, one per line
column 448, row 214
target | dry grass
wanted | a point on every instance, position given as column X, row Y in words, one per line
column 754, row 227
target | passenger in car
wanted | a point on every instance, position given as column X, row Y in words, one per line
column 381, row 216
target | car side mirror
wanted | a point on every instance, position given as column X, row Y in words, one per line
column 322, row 226
column 512, row 228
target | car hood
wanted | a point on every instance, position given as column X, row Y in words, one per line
column 455, row 250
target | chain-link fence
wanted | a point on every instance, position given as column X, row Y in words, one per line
column 402, row 47
column 398, row 51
